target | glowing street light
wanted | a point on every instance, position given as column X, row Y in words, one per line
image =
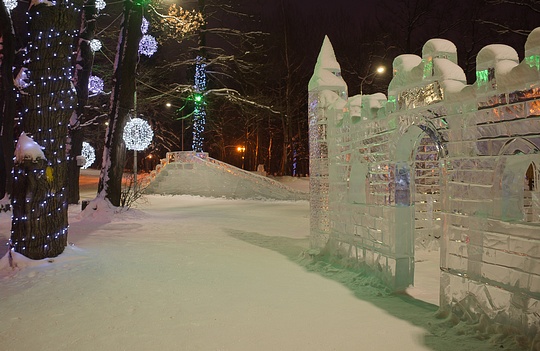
column 379, row 70
column 242, row 149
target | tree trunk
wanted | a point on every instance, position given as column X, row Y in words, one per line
column 286, row 118
column 85, row 61
column 7, row 101
column 122, row 103
column 39, row 201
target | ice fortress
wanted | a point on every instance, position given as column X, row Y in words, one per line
column 437, row 164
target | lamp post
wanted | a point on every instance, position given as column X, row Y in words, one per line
column 379, row 70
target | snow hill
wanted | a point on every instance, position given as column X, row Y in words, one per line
column 189, row 173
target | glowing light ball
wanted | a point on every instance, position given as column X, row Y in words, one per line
column 138, row 134
column 95, row 85
column 10, row 4
column 144, row 26
column 100, row 5
column 89, row 153
column 95, row 45
column 148, row 45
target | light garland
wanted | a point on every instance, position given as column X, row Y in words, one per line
column 100, row 5
column 47, row 79
column 137, row 134
column 89, row 154
column 199, row 111
column 95, row 85
column 95, row 45
column 10, row 4
column 148, row 45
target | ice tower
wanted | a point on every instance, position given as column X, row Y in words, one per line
column 325, row 87
column 439, row 165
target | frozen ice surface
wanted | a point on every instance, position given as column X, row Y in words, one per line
column 439, row 165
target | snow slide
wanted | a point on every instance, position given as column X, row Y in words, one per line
column 190, row 173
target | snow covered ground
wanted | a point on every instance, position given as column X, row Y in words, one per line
column 192, row 273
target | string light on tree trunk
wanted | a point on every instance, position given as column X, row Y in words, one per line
column 39, row 220
column 199, row 111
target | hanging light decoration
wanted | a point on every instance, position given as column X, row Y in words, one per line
column 148, row 45
column 89, row 154
column 95, row 45
column 138, row 134
column 144, row 26
column 95, row 85
column 10, row 4
column 100, row 5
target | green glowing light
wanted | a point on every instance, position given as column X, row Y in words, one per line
column 482, row 77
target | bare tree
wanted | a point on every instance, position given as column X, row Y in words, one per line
column 7, row 99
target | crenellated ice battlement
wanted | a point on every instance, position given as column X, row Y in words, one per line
column 438, row 165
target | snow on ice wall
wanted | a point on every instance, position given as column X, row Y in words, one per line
column 192, row 173
column 438, row 164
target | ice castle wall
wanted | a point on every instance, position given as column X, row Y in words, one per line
column 439, row 164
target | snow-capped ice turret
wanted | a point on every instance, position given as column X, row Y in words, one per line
column 327, row 72
column 512, row 76
column 439, row 48
column 423, row 81
column 487, row 61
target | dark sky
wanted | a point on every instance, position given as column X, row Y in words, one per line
column 402, row 26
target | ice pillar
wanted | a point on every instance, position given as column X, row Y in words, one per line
column 325, row 86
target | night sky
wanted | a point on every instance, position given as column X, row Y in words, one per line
column 400, row 26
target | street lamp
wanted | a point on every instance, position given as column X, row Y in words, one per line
column 242, row 149
column 379, row 70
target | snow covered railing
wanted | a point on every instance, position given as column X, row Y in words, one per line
column 246, row 174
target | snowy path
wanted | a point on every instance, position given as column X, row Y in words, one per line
column 189, row 273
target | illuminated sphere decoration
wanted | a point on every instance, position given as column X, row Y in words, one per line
column 95, row 45
column 144, row 26
column 148, row 45
column 10, row 4
column 100, row 5
column 89, row 153
column 138, row 134
column 95, row 85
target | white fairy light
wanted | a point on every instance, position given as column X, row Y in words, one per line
column 89, row 154
column 138, row 134
column 95, row 85
column 100, row 5
column 95, row 45
column 148, row 45
column 144, row 26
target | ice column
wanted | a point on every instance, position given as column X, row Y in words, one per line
column 325, row 87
